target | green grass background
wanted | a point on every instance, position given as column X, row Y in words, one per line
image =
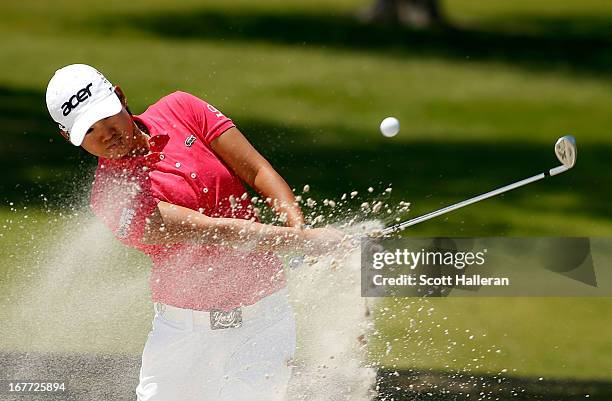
column 480, row 105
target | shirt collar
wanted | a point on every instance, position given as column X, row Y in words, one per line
column 157, row 140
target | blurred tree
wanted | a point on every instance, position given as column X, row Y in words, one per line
column 412, row 13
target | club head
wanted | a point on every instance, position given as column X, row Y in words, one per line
column 565, row 149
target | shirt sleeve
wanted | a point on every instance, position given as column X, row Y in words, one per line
column 207, row 120
column 123, row 206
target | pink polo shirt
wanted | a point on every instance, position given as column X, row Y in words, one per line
column 182, row 169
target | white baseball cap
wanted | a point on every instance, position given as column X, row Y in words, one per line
column 78, row 96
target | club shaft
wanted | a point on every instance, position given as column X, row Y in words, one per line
column 435, row 213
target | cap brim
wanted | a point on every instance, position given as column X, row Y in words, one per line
column 106, row 107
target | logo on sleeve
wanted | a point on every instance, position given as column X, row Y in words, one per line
column 125, row 221
column 212, row 108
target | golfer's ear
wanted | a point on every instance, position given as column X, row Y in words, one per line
column 65, row 135
column 121, row 95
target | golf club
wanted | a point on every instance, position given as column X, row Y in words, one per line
column 565, row 150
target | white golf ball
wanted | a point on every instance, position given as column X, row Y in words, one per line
column 390, row 126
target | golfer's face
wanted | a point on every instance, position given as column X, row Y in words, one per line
column 112, row 137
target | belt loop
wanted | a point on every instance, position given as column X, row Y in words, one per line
column 188, row 319
column 159, row 308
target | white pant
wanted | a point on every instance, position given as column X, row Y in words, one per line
column 185, row 360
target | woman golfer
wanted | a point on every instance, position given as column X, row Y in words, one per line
column 169, row 182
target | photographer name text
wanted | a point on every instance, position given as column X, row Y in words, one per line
column 413, row 280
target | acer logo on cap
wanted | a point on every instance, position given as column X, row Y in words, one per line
column 76, row 99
